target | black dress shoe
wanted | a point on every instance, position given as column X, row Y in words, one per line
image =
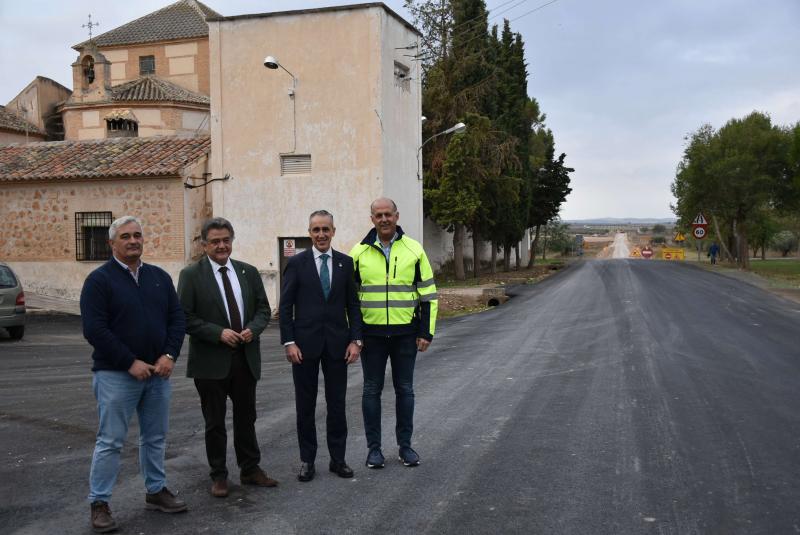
column 341, row 469
column 306, row 472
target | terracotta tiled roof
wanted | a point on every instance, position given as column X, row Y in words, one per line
column 11, row 121
column 103, row 158
column 182, row 20
column 151, row 88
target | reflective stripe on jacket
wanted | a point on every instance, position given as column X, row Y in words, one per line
column 398, row 296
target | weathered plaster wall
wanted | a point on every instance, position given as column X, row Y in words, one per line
column 7, row 137
column 38, row 233
column 400, row 116
column 340, row 64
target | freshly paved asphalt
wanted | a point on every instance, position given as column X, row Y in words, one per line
column 617, row 397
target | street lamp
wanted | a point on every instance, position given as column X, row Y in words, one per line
column 457, row 128
column 271, row 62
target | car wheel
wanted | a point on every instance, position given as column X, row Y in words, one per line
column 16, row 332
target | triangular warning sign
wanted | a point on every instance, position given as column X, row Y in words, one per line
column 700, row 220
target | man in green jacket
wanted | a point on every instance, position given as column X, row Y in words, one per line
column 226, row 310
column 399, row 305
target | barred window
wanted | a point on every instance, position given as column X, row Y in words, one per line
column 147, row 65
column 91, row 235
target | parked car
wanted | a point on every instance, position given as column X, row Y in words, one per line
column 12, row 303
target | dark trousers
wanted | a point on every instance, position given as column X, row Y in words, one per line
column 402, row 350
column 240, row 386
column 306, row 378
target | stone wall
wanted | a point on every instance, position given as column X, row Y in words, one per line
column 38, row 232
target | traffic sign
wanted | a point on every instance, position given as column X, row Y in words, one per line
column 647, row 252
column 679, row 237
column 700, row 220
column 699, row 232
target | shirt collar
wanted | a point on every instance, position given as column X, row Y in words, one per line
column 317, row 252
column 216, row 266
column 125, row 266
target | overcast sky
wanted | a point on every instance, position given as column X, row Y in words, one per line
column 622, row 81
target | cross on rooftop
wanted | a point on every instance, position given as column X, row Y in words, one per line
column 90, row 25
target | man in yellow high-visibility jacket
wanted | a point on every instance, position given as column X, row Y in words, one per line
column 398, row 304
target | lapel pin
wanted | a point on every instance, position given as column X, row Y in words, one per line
column 340, row 264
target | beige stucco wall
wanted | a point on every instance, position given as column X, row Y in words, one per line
column 8, row 137
column 38, row 237
column 344, row 93
column 38, row 100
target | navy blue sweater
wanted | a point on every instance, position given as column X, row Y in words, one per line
column 123, row 321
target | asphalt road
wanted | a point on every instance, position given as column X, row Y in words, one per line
column 616, row 397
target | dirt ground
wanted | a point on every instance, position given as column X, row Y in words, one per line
column 463, row 297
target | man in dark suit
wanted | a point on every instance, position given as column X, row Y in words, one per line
column 320, row 318
column 226, row 310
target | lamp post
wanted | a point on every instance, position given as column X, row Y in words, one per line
column 271, row 62
column 457, row 128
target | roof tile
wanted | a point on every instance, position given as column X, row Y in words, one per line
column 11, row 121
column 182, row 20
column 104, row 158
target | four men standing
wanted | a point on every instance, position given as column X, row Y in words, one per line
column 135, row 321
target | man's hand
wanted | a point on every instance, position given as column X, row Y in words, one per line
column 231, row 338
column 247, row 336
column 293, row 354
column 422, row 344
column 141, row 370
column 352, row 353
column 164, row 366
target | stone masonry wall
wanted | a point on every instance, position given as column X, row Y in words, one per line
column 39, row 218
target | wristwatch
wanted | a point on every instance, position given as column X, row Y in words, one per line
column 359, row 343
column 170, row 357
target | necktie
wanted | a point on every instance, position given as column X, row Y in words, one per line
column 233, row 308
column 324, row 275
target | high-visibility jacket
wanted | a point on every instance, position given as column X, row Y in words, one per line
column 398, row 296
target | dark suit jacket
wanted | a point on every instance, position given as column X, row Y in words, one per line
column 310, row 321
column 205, row 312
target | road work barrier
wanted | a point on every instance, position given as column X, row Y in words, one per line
column 672, row 253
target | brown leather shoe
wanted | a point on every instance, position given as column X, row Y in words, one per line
column 102, row 522
column 219, row 488
column 258, row 478
column 164, row 501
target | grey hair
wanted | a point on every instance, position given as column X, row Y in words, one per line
column 215, row 223
column 323, row 213
column 121, row 222
column 372, row 204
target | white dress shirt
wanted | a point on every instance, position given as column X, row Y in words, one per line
column 237, row 289
column 318, row 262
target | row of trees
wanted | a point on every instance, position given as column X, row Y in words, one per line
column 745, row 178
column 501, row 177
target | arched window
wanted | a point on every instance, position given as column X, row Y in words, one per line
column 121, row 128
column 88, row 69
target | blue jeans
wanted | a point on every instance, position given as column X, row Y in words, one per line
column 402, row 350
column 118, row 394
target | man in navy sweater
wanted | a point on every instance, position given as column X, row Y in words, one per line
column 133, row 320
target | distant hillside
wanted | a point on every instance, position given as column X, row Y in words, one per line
column 621, row 221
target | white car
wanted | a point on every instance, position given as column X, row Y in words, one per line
column 12, row 303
